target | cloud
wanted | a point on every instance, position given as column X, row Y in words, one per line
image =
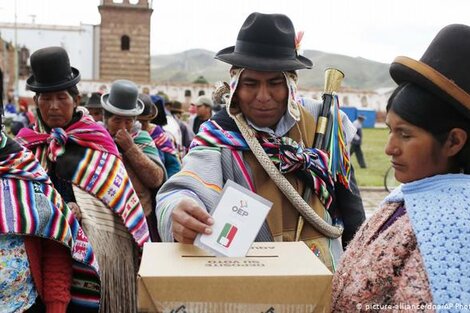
column 374, row 29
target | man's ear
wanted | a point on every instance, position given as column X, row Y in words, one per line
column 455, row 141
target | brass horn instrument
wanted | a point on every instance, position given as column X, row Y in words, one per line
column 333, row 79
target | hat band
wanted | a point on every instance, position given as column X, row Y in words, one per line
column 437, row 78
column 263, row 50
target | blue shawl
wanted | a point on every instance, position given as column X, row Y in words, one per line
column 439, row 210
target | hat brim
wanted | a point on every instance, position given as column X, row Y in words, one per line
column 150, row 116
column 404, row 69
column 108, row 106
column 264, row 64
column 35, row 86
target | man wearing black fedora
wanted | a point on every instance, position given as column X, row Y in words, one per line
column 141, row 157
column 250, row 141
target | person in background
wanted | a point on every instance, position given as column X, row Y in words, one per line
column 187, row 135
column 220, row 96
column 263, row 109
column 24, row 118
column 146, row 91
column 24, row 109
column 94, row 107
column 139, row 154
column 10, row 107
column 204, row 106
column 168, row 153
column 167, row 121
column 357, row 142
column 176, row 109
column 414, row 252
column 85, row 167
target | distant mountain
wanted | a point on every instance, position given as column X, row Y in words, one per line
column 187, row 66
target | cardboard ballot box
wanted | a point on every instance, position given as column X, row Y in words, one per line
column 274, row 277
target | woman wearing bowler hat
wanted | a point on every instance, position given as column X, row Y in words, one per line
column 45, row 257
column 414, row 253
column 85, row 166
column 138, row 151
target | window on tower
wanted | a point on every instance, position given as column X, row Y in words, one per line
column 125, row 43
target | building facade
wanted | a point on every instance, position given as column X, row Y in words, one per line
column 7, row 67
column 125, row 40
column 117, row 48
column 77, row 40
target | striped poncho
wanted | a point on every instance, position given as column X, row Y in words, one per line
column 29, row 205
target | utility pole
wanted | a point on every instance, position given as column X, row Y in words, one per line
column 17, row 92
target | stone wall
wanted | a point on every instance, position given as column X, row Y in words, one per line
column 133, row 21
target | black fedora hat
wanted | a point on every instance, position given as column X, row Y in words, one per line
column 51, row 71
column 150, row 109
column 443, row 69
column 94, row 102
column 176, row 107
column 265, row 42
column 123, row 99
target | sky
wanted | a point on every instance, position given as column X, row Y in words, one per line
column 378, row 30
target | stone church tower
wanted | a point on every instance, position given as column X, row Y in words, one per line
column 125, row 40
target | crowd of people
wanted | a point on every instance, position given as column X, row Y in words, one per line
column 84, row 187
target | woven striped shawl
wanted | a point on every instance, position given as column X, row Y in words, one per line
column 162, row 140
column 104, row 176
column 309, row 164
column 29, row 205
column 145, row 143
column 100, row 171
column 49, row 145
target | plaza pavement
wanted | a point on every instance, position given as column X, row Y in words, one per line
column 371, row 198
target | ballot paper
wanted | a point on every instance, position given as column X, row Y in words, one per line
column 238, row 218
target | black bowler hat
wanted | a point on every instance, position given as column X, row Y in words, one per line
column 123, row 99
column 51, row 71
column 94, row 102
column 266, row 42
column 443, row 69
column 150, row 109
